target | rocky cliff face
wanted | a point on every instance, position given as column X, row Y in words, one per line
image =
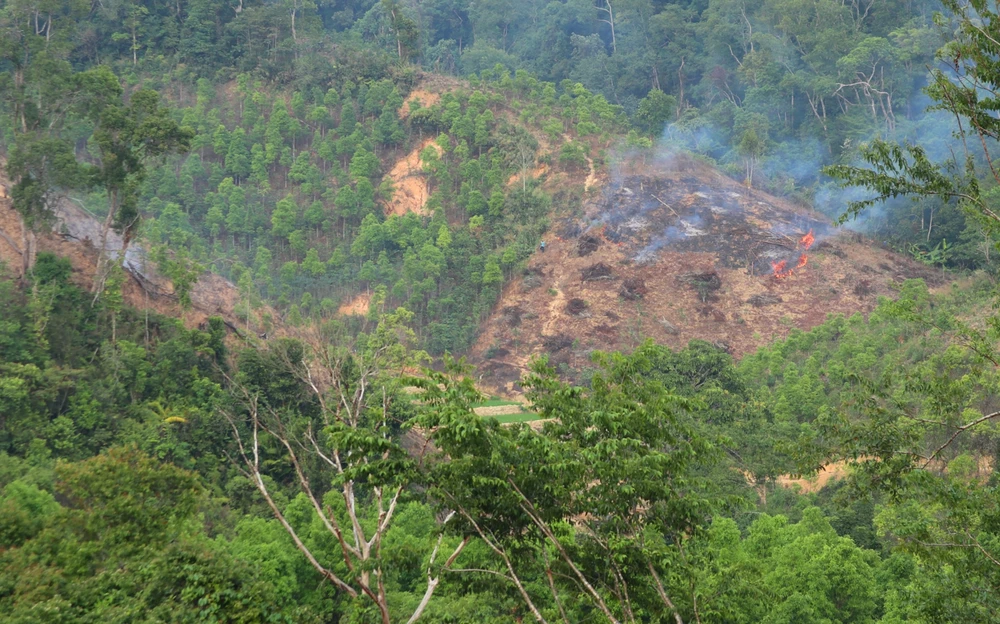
column 75, row 234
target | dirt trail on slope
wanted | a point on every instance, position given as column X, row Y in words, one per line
column 557, row 304
column 591, row 179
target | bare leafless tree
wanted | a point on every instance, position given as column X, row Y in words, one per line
column 351, row 443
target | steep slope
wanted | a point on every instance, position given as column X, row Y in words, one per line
column 673, row 250
column 76, row 234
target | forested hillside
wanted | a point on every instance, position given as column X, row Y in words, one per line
column 240, row 241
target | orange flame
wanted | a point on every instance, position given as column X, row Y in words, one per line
column 807, row 240
column 782, row 270
column 779, row 269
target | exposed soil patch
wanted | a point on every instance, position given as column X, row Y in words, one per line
column 536, row 172
column 358, row 306
column 826, row 475
column 420, row 96
column 13, row 236
column 410, row 183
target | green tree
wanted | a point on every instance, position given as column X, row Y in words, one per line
column 364, row 164
column 893, row 447
column 751, row 149
column 619, row 461
column 655, row 110
column 127, row 137
column 369, row 468
column 312, row 264
column 283, row 217
column 238, row 155
column 315, row 214
column 404, row 29
column 492, row 275
column 388, row 130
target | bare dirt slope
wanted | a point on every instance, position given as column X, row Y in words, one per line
column 674, row 250
column 409, row 182
column 76, row 235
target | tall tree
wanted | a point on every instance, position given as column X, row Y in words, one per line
column 334, row 416
column 901, row 448
column 404, row 29
column 619, row 461
column 128, row 135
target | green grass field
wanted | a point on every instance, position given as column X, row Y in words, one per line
column 493, row 402
column 514, row 418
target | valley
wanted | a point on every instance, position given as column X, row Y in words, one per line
column 442, row 311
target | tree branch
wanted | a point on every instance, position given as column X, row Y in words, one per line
column 958, row 432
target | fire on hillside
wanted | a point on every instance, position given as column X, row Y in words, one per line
column 782, row 268
column 644, row 215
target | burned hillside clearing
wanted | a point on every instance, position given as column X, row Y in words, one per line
column 673, row 250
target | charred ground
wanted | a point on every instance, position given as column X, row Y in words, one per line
column 673, row 250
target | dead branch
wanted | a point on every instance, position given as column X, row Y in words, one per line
column 958, row 432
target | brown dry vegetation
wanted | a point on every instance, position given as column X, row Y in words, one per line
column 659, row 228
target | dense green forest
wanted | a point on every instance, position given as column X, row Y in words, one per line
column 136, row 488
column 151, row 472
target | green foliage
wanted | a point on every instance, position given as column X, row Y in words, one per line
column 655, row 110
column 623, row 450
column 120, row 500
column 801, row 572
